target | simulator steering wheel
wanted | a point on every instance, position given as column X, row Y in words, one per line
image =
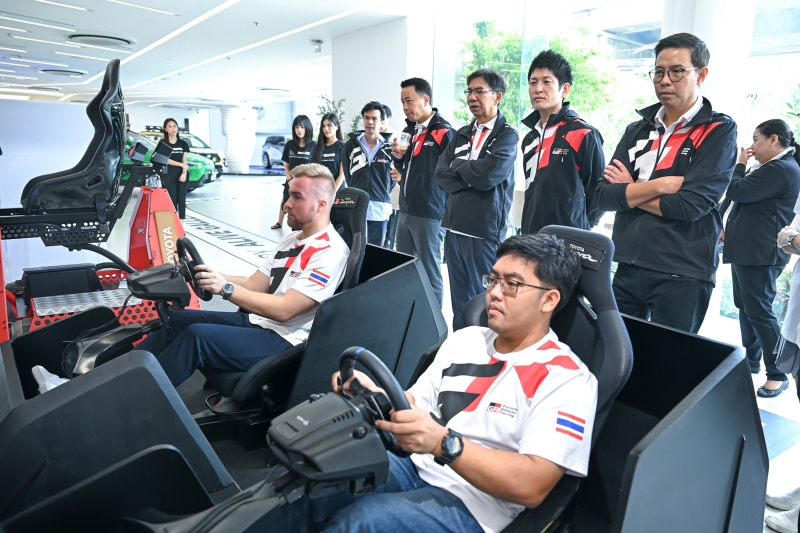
column 386, row 380
column 188, row 264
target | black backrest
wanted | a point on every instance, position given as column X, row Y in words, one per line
column 349, row 218
column 102, row 158
column 590, row 323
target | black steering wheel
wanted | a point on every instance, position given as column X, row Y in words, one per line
column 188, row 262
column 386, row 380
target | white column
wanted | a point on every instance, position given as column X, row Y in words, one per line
column 727, row 29
column 239, row 127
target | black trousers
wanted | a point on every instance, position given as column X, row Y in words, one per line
column 675, row 301
column 753, row 292
column 177, row 191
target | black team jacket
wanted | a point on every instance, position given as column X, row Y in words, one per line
column 421, row 196
column 373, row 177
column 479, row 191
column 763, row 204
column 683, row 241
column 561, row 172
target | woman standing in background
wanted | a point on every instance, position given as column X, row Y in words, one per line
column 329, row 147
column 177, row 183
column 298, row 151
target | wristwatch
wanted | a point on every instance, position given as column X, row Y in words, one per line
column 790, row 239
column 452, row 446
column 227, row 291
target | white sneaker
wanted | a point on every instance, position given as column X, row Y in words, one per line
column 45, row 379
column 785, row 501
column 785, row 522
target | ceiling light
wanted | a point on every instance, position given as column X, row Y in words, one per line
column 17, row 77
column 46, row 42
column 12, row 29
column 82, row 57
column 36, row 22
column 121, row 50
column 141, row 7
column 66, row 97
column 31, row 91
column 12, row 49
column 14, row 97
column 14, row 64
column 259, row 43
column 61, row 5
column 38, row 61
column 317, row 44
column 6, row 70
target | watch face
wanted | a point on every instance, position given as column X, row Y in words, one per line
column 452, row 445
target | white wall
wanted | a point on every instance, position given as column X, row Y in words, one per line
column 142, row 115
column 369, row 64
column 38, row 138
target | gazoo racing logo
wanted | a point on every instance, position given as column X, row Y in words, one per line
column 501, row 409
column 580, row 251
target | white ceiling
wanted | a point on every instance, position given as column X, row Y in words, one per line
column 209, row 52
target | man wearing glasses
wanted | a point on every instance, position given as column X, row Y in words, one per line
column 477, row 172
column 665, row 180
column 500, row 415
column 367, row 164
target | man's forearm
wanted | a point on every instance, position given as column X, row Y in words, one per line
column 266, row 305
column 652, row 206
column 509, row 476
column 240, row 281
column 639, row 193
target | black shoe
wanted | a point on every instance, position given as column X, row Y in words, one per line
column 771, row 393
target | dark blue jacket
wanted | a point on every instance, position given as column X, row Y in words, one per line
column 480, row 191
column 420, row 195
column 682, row 241
column 373, row 177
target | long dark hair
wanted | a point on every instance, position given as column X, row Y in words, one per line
column 164, row 129
column 333, row 119
column 302, row 120
column 784, row 133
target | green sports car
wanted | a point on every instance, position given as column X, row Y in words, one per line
column 201, row 169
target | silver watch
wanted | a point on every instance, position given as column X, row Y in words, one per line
column 790, row 239
column 227, row 291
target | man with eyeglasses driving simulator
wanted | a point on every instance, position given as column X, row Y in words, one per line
column 495, row 421
column 665, row 180
column 477, row 172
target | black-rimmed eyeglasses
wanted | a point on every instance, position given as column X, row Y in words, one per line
column 508, row 286
column 675, row 74
column 478, row 91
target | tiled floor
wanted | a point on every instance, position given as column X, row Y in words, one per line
column 246, row 207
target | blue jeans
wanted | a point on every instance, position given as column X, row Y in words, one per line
column 468, row 259
column 403, row 504
column 215, row 339
column 422, row 237
column 376, row 230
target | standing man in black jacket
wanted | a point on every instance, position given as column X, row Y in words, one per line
column 367, row 164
column 477, row 171
column 562, row 156
column 419, row 225
column 666, row 178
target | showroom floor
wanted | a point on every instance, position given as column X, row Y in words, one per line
column 246, row 207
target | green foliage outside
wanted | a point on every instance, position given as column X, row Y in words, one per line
column 329, row 106
column 601, row 94
column 793, row 110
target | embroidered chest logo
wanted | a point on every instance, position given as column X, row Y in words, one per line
column 501, row 409
column 530, row 377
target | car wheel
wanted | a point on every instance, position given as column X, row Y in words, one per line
column 265, row 160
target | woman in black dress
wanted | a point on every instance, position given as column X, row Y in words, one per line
column 298, row 151
column 328, row 152
column 177, row 179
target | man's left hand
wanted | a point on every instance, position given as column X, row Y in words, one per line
column 209, row 279
column 415, row 430
column 616, row 172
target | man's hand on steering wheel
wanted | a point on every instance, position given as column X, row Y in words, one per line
column 209, row 279
column 415, row 430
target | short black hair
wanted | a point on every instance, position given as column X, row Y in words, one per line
column 387, row 111
column 555, row 264
column 784, row 133
column 555, row 63
column 421, row 86
column 302, row 120
column 373, row 106
column 697, row 48
column 493, row 79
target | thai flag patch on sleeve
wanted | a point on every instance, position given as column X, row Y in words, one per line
column 320, row 278
column 570, row 425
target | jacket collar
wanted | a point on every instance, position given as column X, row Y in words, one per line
column 703, row 116
column 436, row 120
column 498, row 126
column 355, row 134
column 533, row 119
